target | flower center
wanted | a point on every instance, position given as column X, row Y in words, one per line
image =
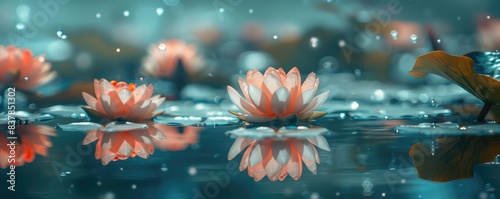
column 117, row 84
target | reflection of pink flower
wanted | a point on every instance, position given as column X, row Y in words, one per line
column 276, row 94
column 175, row 140
column 277, row 158
column 120, row 145
column 121, row 100
column 31, row 140
column 19, row 68
column 164, row 56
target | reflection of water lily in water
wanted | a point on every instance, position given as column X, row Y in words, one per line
column 120, row 145
column 277, row 95
column 19, row 68
column 279, row 155
column 121, row 101
column 453, row 158
column 164, row 57
column 176, row 138
column 31, row 140
column 460, row 70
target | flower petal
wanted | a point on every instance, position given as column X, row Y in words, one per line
column 280, row 101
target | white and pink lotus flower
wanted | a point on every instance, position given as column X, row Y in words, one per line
column 19, row 68
column 278, row 153
column 277, row 95
column 164, row 57
column 121, row 101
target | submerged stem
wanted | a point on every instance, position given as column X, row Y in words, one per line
column 482, row 115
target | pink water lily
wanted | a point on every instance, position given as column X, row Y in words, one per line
column 277, row 95
column 119, row 100
column 31, row 140
column 277, row 158
column 165, row 55
column 120, row 145
column 19, row 68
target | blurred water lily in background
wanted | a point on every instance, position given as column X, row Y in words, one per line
column 120, row 145
column 32, row 140
column 19, row 68
column 460, row 70
column 277, row 95
column 167, row 56
column 121, row 101
column 278, row 153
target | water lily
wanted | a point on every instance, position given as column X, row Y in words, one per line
column 19, row 68
column 460, row 70
column 120, row 145
column 278, row 153
column 175, row 139
column 277, row 95
column 31, row 140
column 121, row 101
column 165, row 56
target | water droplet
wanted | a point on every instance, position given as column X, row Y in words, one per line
column 26, row 78
column 159, row 11
column 99, row 183
column 73, row 115
column 192, row 171
column 134, row 186
column 59, row 33
column 438, row 41
column 63, row 37
column 221, row 10
column 250, row 11
column 141, row 78
column 314, row 42
column 164, row 167
column 121, row 168
column 126, row 13
column 118, row 50
column 68, row 172
column 82, row 115
column 275, row 36
column 357, row 73
column 98, row 15
column 383, row 194
column 413, row 38
column 341, row 43
column 354, row 105
column 394, row 34
column 62, row 174
column 162, row 46
column 378, row 95
column 20, row 26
